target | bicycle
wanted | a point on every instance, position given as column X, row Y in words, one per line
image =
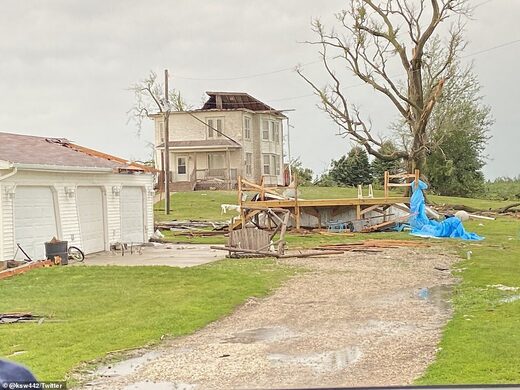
column 75, row 254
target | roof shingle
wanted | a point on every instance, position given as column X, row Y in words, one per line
column 32, row 150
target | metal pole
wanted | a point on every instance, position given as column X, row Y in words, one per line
column 289, row 150
column 166, row 146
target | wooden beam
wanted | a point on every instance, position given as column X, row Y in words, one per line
column 290, row 203
column 371, row 208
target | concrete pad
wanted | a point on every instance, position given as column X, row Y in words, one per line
column 173, row 255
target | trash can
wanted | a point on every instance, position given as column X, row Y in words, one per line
column 57, row 248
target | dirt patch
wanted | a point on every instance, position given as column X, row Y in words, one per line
column 352, row 320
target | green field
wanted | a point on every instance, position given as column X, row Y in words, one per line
column 91, row 311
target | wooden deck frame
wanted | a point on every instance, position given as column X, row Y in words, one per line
column 249, row 209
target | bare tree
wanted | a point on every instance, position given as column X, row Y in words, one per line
column 376, row 41
column 154, row 97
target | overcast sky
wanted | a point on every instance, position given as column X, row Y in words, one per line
column 66, row 65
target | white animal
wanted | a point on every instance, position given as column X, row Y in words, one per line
column 226, row 207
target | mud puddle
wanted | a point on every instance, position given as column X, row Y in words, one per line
column 126, row 367
column 440, row 296
column 319, row 362
column 259, row 335
column 160, row 386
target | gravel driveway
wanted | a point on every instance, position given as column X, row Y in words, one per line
column 353, row 320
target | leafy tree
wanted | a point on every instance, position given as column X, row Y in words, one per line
column 462, row 121
column 379, row 166
column 459, row 132
column 304, row 175
column 353, row 169
column 384, row 43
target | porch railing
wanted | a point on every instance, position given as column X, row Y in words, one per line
column 217, row 173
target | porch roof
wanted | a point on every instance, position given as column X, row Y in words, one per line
column 202, row 144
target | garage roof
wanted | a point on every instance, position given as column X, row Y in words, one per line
column 31, row 151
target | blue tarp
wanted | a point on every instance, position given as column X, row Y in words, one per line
column 422, row 226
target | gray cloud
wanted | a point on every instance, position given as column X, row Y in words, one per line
column 66, row 67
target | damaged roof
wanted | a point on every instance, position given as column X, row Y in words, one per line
column 234, row 101
column 28, row 150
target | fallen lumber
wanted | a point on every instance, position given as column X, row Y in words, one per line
column 274, row 254
column 347, row 248
column 9, row 318
column 356, row 246
column 24, row 268
column 241, row 250
column 310, row 254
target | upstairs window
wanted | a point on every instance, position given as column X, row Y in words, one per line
column 213, row 125
column 265, row 130
column 276, row 132
column 161, row 131
column 247, row 127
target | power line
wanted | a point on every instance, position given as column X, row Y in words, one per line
column 268, row 73
column 250, row 76
column 359, row 84
column 491, row 48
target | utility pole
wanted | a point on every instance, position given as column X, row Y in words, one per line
column 289, row 150
column 166, row 167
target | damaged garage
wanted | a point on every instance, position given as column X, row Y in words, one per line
column 51, row 187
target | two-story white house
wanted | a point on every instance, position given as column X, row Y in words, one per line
column 232, row 135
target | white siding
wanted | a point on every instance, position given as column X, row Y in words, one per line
column 68, row 214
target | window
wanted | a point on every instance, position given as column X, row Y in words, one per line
column 267, row 162
column 276, row 132
column 161, row 131
column 211, row 126
column 265, row 130
column 276, row 162
column 247, row 127
column 181, row 165
column 215, row 124
column 249, row 164
column 219, row 127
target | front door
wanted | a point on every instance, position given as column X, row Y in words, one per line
column 182, row 168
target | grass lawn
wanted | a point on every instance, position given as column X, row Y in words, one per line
column 91, row 311
column 197, row 205
column 481, row 344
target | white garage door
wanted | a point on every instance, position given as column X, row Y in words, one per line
column 132, row 214
column 91, row 219
column 34, row 220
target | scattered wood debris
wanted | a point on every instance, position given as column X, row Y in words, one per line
column 10, row 318
column 191, row 225
column 25, row 267
column 373, row 245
